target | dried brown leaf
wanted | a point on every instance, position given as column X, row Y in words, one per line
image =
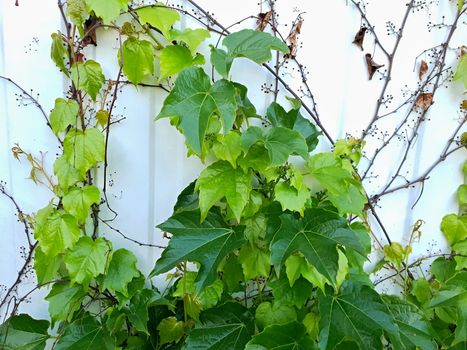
column 372, row 66
column 424, row 100
column 90, row 26
column 359, row 37
column 423, row 69
column 263, row 20
column 292, row 38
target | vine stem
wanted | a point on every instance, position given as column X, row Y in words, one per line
column 34, row 101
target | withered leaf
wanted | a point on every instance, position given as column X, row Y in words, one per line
column 372, row 66
column 359, row 37
column 423, row 69
column 90, row 26
column 263, row 20
column 292, row 38
column 424, row 100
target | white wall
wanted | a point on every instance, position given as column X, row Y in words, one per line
column 148, row 167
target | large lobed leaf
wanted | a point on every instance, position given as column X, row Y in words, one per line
column 22, row 332
column 356, row 314
column 207, row 243
column 193, row 100
column 137, row 59
column 316, row 236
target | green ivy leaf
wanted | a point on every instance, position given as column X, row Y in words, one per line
column 58, row 53
column 138, row 308
column 287, row 295
column 221, row 61
column 55, row 231
column 84, row 149
column 207, row 243
column 22, row 332
column 87, row 259
column 316, row 236
column 191, row 37
column 454, row 228
column 193, row 100
column 290, row 198
column 46, row 268
column 268, row 314
column 63, row 114
column 415, row 331
column 88, row 76
column 461, row 71
column 76, row 10
column 232, row 274
column 461, row 259
column 254, row 45
column 66, row 173
column 228, row 326
column 421, row 290
column 295, row 121
column 85, row 333
column 78, row 201
column 159, row 17
column 279, row 141
column 220, row 180
column 175, row 58
column 228, row 147
column 122, row 270
column 137, row 59
column 357, row 313
column 255, row 262
column 311, row 323
column 296, row 266
column 289, row 336
column 108, row 10
column 461, row 326
column 170, row 330
column 344, row 191
column 64, row 300
column 443, row 269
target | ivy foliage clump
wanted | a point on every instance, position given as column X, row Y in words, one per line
column 267, row 246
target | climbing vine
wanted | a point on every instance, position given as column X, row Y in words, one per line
column 267, row 247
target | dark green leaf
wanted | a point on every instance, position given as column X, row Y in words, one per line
column 22, row 332
column 122, row 270
column 286, row 294
column 316, row 236
column 221, row 61
column 415, row 331
column 138, row 309
column 289, row 336
column 268, row 314
column 207, row 243
column 254, row 45
column 228, row 326
column 357, row 313
column 279, row 141
column 85, row 333
column 193, row 100
column 295, row 121
column 58, row 52
column 64, row 300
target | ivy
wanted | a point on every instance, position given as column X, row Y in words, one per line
column 266, row 247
